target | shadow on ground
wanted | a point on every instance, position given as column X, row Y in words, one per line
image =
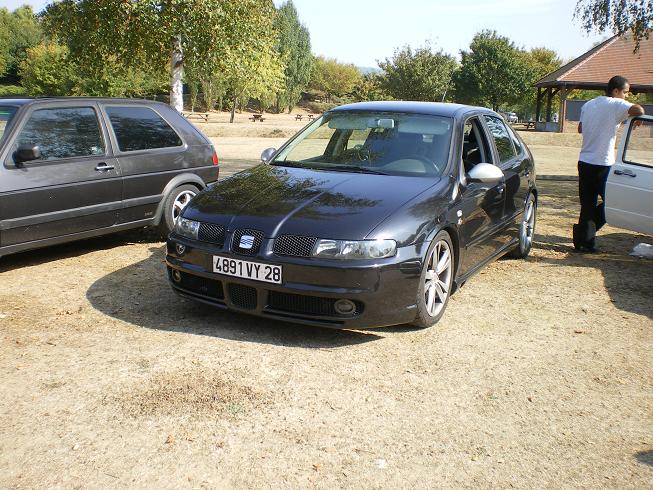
column 140, row 294
column 627, row 279
column 645, row 457
column 77, row 248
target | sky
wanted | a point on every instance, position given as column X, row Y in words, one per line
column 364, row 31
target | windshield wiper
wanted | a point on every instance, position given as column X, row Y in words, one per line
column 355, row 168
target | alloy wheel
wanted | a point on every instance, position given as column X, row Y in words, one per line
column 437, row 280
column 180, row 202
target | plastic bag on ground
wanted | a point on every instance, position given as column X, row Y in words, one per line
column 643, row 250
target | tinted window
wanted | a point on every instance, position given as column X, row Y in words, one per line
column 502, row 139
column 63, row 132
column 140, row 128
column 6, row 114
column 515, row 141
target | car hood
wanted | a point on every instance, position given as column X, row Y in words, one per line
column 285, row 200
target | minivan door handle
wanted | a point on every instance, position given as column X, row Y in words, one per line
column 626, row 172
column 103, row 167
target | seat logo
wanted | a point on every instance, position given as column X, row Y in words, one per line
column 246, row 242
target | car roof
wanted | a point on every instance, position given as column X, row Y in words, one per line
column 29, row 100
column 445, row 109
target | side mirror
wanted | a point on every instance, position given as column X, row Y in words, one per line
column 26, row 153
column 485, row 173
column 267, row 154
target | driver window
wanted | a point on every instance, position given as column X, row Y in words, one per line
column 475, row 148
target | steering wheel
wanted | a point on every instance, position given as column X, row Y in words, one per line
column 428, row 164
column 361, row 153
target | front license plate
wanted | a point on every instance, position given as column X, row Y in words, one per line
column 249, row 270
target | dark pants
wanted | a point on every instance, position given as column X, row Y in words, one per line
column 591, row 185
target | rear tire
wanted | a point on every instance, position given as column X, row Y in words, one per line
column 173, row 206
column 436, row 281
column 526, row 229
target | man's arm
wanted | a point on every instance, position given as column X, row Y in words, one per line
column 580, row 127
column 636, row 110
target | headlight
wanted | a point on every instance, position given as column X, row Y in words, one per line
column 187, row 227
column 354, row 249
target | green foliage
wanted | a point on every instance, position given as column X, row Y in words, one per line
column 369, row 88
column 493, row 72
column 542, row 61
column 222, row 40
column 420, row 75
column 12, row 91
column 334, row 78
column 294, row 47
column 618, row 16
column 19, row 30
column 47, row 70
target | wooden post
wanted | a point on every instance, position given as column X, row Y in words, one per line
column 562, row 111
column 538, row 108
column 549, row 96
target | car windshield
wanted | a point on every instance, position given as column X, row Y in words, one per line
column 377, row 143
column 6, row 113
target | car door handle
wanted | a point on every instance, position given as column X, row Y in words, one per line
column 626, row 172
column 103, row 167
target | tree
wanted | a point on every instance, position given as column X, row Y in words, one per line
column 19, row 31
column 294, row 47
column 493, row 72
column 369, row 88
column 420, row 75
column 542, row 61
column 334, row 78
column 47, row 70
column 159, row 33
column 618, row 16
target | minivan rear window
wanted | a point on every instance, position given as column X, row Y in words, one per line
column 6, row 114
column 141, row 128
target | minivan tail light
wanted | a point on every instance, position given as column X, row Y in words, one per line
column 215, row 158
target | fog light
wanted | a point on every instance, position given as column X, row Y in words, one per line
column 176, row 276
column 181, row 249
column 344, row 307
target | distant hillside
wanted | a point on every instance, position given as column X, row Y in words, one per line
column 368, row 69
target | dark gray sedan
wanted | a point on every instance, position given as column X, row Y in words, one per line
column 371, row 216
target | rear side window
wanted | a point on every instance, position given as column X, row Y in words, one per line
column 515, row 141
column 64, row 132
column 140, row 128
column 502, row 139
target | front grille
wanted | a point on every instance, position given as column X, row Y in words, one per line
column 307, row 305
column 255, row 243
column 208, row 232
column 295, row 245
column 199, row 285
column 242, row 296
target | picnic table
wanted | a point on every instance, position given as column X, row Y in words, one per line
column 298, row 117
column 311, row 116
column 257, row 117
column 525, row 124
column 196, row 115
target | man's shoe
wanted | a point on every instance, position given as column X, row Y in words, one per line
column 585, row 249
column 575, row 238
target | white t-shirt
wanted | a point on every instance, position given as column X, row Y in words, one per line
column 601, row 118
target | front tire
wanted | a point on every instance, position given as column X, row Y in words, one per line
column 436, row 281
column 526, row 229
column 173, row 206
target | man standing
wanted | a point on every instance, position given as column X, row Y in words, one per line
column 600, row 119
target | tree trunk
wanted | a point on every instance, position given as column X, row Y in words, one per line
column 176, row 75
column 233, row 110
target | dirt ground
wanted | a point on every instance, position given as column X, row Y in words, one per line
column 539, row 375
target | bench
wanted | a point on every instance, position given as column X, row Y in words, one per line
column 196, row 115
column 257, row 117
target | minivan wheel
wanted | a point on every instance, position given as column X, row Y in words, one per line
column 436, row 281
column 526, row 229
column 174, row 204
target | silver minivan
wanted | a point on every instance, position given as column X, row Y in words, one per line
column 77, row 167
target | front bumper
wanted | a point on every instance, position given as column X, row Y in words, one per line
column 384, row 291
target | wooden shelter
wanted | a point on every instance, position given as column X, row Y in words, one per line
column 592, row 70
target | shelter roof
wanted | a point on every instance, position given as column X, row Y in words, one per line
column 615, row 56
